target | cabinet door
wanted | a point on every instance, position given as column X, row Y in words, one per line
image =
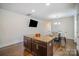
column 34, row 48
column 25, row 42
column 29, row 43
column 42, row 51
column 38, row 50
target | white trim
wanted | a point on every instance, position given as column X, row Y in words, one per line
column 75, row 22
column 10, row 44
column 75, row 27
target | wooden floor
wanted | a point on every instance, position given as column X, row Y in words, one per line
column 18, row 50
column 14, row 50
column 68, row 50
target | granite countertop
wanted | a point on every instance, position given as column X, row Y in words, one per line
column 45, row 38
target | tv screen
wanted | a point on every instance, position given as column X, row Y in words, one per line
column 33, row 23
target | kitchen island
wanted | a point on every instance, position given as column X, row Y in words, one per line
column 39, row 46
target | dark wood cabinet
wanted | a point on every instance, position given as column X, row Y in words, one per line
column 28, row 43
column 42, row 51
column 34, row 48
column 38, row 48
column 25, row 42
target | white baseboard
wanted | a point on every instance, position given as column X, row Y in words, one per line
column 10, row 44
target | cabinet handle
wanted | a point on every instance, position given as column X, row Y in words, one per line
column 49, row 44
column 37, row 46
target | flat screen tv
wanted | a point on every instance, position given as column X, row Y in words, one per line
column 33, row 23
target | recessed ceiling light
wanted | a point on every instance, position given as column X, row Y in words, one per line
column 33, row 10
column 47, row 4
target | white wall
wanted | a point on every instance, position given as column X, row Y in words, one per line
column 43, row 27
column 13, row 26
column 78, row 25
column 66, row 27
column 78, row 33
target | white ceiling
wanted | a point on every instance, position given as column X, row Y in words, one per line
column 42, row 11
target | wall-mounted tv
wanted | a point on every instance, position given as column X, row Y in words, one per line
column 33, row 23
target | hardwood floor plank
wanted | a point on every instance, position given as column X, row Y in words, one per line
column 14, row 50
column 19, row 50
